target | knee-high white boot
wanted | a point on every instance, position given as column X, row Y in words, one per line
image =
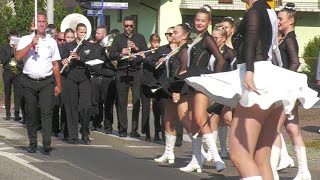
column 198, row 159
column 223, row 133
column 210, row 140
column 274, row 160
column 168, row 155
column 303, row 171
column 252, row 178
column 285, row 159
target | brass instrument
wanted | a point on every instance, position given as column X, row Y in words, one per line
column 107, row 42
column 13, row 62
column 13, row 66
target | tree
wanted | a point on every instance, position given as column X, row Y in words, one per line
column 310, row 55
column 20, row 16
column 77, row 9
column 59, row 13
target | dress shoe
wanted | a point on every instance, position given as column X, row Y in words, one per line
column 134, row 134
column 7, row 118
column 85, row 139
column 95, row 129
column 109, row 131
column 178, row 144
column 17, row 118
column 55, row 134
column 157, row 137
column 73, row 141
column 123, row 135
column 32, row 149
column 47, row 150
column 148, row 139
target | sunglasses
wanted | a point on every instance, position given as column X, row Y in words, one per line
column 168, row 34
column 130, row 26
column 60, row 39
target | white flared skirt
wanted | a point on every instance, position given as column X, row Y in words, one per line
column 275, row 85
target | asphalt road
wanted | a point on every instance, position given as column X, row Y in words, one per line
column 108, row 157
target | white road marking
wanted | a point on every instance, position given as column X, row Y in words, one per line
column 116, row 136
column 144, row 146
column 84, row 145
column 8, row 134
column 6, row 148
column 26, row 164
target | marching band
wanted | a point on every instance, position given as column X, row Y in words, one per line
column 192, row 84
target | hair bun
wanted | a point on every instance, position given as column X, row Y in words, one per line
column 290, row 6
column 207, row 8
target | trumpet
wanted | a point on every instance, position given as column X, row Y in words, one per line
column 74, row 50
column 135, row 54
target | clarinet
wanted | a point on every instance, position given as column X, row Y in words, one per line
column 74, row 50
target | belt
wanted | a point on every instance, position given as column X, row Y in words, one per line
column 37, row 79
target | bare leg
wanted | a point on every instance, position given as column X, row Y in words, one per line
column 245, row 131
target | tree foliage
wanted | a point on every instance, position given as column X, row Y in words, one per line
column 77, row 9
column 19, row 16
column 310, row 55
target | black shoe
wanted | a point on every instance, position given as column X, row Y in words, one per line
column 7, row 118
column 157, row 137
column 94, row 129
column 32, row 149
column 178, row 144
column 123, row 135
column 65, row 137
column 47, row 150
column 73, row 141
column 109, row 131
column 148, row 139
column 134, row 134
column 55, row 134
column 17, row 118
column 85, row 139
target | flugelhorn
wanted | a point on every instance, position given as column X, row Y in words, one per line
column 74, row 50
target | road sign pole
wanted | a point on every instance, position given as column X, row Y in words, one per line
column 102, row 14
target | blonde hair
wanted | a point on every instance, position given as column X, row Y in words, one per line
column 220, row 27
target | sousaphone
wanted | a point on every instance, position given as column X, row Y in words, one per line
column 72, row 20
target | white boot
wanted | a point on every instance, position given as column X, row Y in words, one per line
column 210, row 140
column 285, row 159
column 168, row 155
column 303, row 171
column 223, row 133
column 274, row 160
column 252, row 178
column 198, row 159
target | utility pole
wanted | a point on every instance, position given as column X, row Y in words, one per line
column 50, row 15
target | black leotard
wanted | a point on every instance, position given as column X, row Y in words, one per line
column 253, row 37
column 289, row 51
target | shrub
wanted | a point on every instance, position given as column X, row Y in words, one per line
column 310, row 56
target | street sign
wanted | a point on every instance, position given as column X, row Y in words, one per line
column 109, row 5
column 94, row 12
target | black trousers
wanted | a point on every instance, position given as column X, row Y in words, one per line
column 19, row 102
column 103, row 89
column 59, row 117
column 124, row 80
column 76, row 96
column 42, row 93
column 157, row 108
column 8, row 80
